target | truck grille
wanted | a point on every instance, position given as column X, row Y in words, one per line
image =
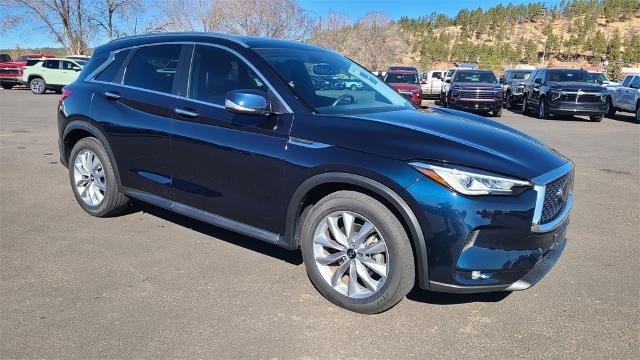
column 10, row 71
column 555, row 197
column 580, row 98
column 474, row 94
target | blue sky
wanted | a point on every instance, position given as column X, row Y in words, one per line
column 26, row 36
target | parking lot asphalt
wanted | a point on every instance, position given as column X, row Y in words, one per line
column 152, row 284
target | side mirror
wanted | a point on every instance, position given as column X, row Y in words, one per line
column 448, row 81
column 247, row 101
column 502, row 80
column 538, row 81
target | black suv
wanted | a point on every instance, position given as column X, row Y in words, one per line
column 475, row 90
column 378, row 196
column 513, row 83
column 564, row 92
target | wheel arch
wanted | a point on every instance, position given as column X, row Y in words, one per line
column 319, row 186
column 78, row 129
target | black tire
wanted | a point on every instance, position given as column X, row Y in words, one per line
column 508, row 102
column 114, row 201
column 638, row 113
column 353, row 88
column 611, row 110
column 525, row 105
column 497, row 113
column 37, row 85
column 7, row 86
column 401, row 276
column 542, row 109
column 596, row 118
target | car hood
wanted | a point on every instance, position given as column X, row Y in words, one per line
column 575, row 85
column 405, row 87
column 440, row 136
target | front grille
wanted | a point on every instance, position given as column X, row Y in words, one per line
column 473, row 94
column 580, row 98
column 10, row 71
column 517, row 90
column 555, row 197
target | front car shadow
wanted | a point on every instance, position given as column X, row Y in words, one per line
column 439, row 298
column 217, row 233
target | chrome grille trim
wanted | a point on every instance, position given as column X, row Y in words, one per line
column 540, row 185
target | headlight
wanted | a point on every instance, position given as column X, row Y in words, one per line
column 455, row 92
column 555, row 95
column 471, row 183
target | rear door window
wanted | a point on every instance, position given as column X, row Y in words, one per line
column 52, row 64
column 153, row 67
column 68, row 65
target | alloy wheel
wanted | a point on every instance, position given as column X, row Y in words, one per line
column 350, row 254
column 89, row 178
column 541, row 109
column 37, row 86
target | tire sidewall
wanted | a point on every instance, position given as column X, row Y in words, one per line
column 379, row 301
column 96, row 147
column 44, row 86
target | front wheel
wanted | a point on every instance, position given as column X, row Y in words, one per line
column 638, row 113
column 357, row 253
column 508, row 102
column 525, row 105
column 610, row 109
column 596, row 118
column 542, row 109
column 93, row 179
column 37, row 86
column 497, row 113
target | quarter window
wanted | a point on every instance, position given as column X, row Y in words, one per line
column 153, row 67
column 52, row 64
column 215, row 72
column 112, row 73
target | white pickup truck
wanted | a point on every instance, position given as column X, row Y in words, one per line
column 626, row 97
column 431, row 83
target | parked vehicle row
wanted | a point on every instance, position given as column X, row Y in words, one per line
column 474, row 90
column 40, row 72
column 377, row 195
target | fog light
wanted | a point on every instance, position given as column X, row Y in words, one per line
column 475, row 275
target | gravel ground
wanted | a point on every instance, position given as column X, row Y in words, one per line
column 154, row 284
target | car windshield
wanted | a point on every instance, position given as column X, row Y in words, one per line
column 318, row 78
column 401, row 78
column 521, row 75
column 475, row 76
column 599, row 77
column 569, row 75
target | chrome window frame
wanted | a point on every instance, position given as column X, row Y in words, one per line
column 540, row 184
column 111, row 58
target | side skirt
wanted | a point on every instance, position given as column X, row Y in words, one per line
column 208, row 217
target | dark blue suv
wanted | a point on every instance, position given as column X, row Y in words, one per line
column 378, row 195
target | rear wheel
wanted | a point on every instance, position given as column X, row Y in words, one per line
column 353, row 87
column 357, row 253
column 37, row 86
column 93, row 179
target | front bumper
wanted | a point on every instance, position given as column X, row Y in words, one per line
column 577, row 108
column 475, row 105
column 11, row 80
column 488, row 243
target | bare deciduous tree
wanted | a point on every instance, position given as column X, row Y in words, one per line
column 104, row 12
column 283, row 19
column 65, row 20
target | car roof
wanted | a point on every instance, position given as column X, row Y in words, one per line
column 244, row 41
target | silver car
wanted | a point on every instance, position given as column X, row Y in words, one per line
column 626, row 97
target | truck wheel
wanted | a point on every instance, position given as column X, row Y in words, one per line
column 507, row 102
column 497, row 113
column 37, row 86
column 525, row 105
column 357, row 253
column 611, row 110
column 542, row 108
column 7, row 86
column 638, row 113
column 596, row 118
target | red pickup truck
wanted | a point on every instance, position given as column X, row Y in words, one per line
column 11, row 71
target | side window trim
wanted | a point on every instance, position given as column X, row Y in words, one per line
column 111, row 58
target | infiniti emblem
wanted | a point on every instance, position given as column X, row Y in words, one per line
column 562, row 193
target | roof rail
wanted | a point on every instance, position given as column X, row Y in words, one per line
column 211, row 34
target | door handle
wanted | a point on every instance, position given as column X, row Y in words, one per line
column 185, row 112
column 112, row 95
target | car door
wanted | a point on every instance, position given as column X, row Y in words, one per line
column 50, row 71
column 226, row 163
column 134, row 107
column 69, row 72
column 618, row 97
column 629, row 96
column 537, row 88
